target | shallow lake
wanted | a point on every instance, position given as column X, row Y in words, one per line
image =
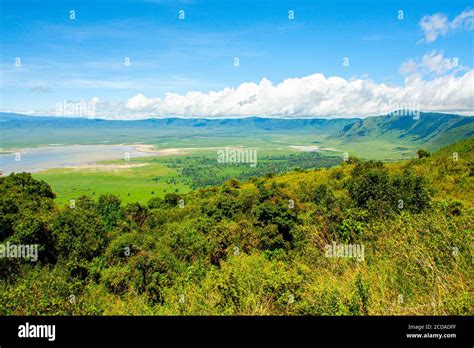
column 41, row 158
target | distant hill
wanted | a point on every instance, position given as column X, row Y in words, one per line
column 18, row 121
column 432, row 130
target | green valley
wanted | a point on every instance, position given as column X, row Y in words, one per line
column 261, row 246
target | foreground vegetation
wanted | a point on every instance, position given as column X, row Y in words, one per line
column 255, row 247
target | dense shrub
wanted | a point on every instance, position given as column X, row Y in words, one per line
column 78, row 234
column 371, row 187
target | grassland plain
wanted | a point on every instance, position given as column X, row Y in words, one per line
column 273, row 139
column 135, row 184
column 141, row 179
column 194, row 168
column 383, row 140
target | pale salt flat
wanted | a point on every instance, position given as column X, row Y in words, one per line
column 74, row 156
column 312, row 148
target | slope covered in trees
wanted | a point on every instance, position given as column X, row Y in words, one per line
column 259, row 247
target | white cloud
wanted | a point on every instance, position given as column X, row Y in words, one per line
column 312, row 96
column 138, row 102
column 434, row 82
column 409, row 67
column 436, row 63
column 437, row 25
column 465, row 20
column 431, row 63
column 434, row 26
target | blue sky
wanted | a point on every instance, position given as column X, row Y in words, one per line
column 84, row 58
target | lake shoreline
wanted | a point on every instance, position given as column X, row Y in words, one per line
column 38, row 159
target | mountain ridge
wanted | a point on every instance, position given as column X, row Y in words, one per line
column 433, row 130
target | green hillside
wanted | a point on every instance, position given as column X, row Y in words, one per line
column 360, row 238
column 434, row 130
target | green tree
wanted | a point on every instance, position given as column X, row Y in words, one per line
column 110, row 210
column 79, row 234
column 422, row 153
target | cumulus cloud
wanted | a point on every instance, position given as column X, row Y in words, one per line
column 139, row 102
column 437, row 25
column 317, row 96
column 431, row 63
